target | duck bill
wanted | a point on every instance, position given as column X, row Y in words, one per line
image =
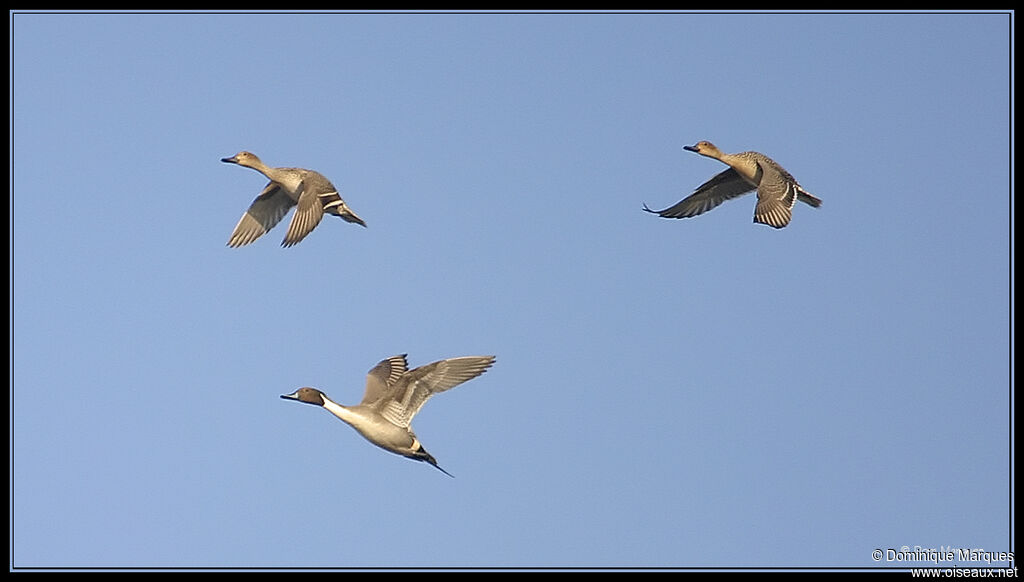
column 691, row 149
column 231, row 160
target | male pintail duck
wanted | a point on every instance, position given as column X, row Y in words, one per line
column 311, row 191
column 394, row 394
column 777, row 190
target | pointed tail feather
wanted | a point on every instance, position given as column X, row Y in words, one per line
column 333, row 204
column 807, row 198
column 423, row 455
column 438, row 467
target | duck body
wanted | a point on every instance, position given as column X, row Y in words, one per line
column 369, row 423
column 777, row 190
column 310, row 191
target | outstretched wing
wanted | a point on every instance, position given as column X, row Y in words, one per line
column 776, row 196
column 414, row 388
column 263, row 214
column 723, row 186
column 382, row 378
column 308, row 214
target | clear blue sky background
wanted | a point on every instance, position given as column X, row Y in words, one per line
column 678, row 393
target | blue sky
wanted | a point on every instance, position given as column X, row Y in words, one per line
column 704, row 392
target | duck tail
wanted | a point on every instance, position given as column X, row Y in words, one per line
column 333, row 204
column 807, row 198
column 423, row 455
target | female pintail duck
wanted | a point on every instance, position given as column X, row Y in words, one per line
column 311, row 191
column 394, row 394
column 777, row 190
